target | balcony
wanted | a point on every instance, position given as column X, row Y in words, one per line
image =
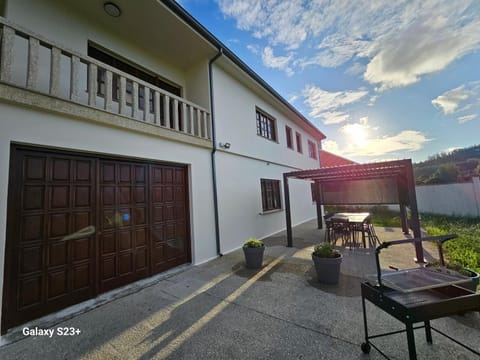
column 92, row 89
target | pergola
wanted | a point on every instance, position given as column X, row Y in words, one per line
column 389, row 182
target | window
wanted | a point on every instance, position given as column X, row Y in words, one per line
column 288, row 131
column 298, row 138
column 266, row 126
column 270, row 194
column 121, row 65
column 312, row 149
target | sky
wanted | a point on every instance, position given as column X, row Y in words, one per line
column 383, row 80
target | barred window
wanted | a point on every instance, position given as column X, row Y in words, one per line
column 270, row 194
column 266, row 126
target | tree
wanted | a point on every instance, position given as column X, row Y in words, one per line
column 446, row 173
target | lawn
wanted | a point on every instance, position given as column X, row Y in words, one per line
column 464, row 250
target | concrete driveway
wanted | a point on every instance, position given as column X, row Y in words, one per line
column 221, row 310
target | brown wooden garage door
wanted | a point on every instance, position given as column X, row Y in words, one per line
column 79, row 225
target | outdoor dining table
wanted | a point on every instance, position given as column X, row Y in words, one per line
column 356, row 221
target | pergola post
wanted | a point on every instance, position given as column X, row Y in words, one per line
column 404, row 218
column 318, row 190
column 415, row 220
column 288, row 216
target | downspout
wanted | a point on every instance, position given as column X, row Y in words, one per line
column 214, row 150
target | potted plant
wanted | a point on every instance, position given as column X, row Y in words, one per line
column 253, row 250
column 327, row 262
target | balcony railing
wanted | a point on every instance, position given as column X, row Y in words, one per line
column 31, row 62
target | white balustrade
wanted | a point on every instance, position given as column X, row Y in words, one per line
column 93, row 83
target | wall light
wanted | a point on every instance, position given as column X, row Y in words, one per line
column 225, row 145
column 112, row 9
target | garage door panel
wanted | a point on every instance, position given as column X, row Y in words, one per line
column 82, row 276
column 29, row 292
column 83, row 172
column 107, row 243
column 82, row 196
column 107, row 268
column 125, row 263
column 137, row 210
column 60, row 169
column 57, row 284
column 30, row 259
column 57, row 254
column 81, row 220
column 82, row 249
column 34, row 197
column 58, row 225
column 34, row 168
column 124, row 240
column 59, row 197
column 140, row 217
column 31, row 228
column 140, row 237
column 107, row 195
column 125, row 173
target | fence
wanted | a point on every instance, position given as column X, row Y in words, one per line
column 450, row 199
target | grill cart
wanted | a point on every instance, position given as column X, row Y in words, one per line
column 417, row 296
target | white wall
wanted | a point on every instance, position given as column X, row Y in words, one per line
column 236, row 123
column 251, row 158
column 240, row 200
column 41, row 128
column 450, row 199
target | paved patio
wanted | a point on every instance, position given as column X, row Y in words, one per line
column 221, row 310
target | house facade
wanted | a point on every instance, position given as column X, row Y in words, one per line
column 131, row 141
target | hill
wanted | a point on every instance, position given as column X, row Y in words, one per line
column 456, row 166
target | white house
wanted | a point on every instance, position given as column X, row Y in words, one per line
column 131, row 141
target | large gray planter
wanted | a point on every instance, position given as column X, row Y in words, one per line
column 328, row 269
column 254, row 257
column 471, row 285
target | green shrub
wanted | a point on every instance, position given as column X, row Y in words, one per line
column 325, row 250
column 253, row 243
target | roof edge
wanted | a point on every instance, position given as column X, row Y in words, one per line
column 204, row 32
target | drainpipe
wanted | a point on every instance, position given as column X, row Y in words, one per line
column 214, row 150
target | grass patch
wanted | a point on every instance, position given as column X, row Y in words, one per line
column 465, row 249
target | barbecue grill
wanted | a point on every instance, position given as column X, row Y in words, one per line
column 418, row 295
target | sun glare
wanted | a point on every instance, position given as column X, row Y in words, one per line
column 357, row 134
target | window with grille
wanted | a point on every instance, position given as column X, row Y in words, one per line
column 270, row 194
column 266, row 126
column 312, row 149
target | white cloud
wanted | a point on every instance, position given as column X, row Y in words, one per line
column 254, row 49
column 401, row 41
column 450, row 100
column 331, row 146
column 466, row 95
column 333, row 117
column 277, row 62
column 325, row 104
column 438, row 41
column 466, row 118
